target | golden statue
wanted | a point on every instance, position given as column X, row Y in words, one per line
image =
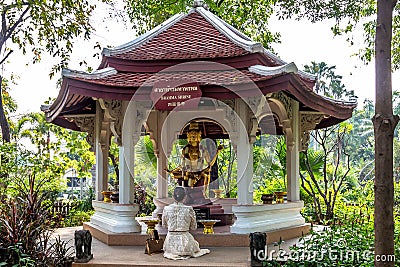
column 196, row 162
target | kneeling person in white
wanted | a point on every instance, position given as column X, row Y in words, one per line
column 179, row 219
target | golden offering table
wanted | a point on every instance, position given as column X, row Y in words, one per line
column 208, row 225
column 151, row 224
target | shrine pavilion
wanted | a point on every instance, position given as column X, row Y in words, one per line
column 194, row 67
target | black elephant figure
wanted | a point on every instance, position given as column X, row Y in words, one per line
column 83, row 246
column 258, row 242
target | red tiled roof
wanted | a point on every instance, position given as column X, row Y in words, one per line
column 191, row 37
column 202, row 77
column 196, row 37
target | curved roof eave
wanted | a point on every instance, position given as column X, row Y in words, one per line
column 53, row 110
column 58, row 105
column 278, row 60
column 339, row 109
column 240, row 39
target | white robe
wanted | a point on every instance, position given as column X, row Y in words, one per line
column 179, row 243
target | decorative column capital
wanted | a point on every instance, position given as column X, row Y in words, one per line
column 285, row 100
column 86, row 124
column 308, row 121
column 113, row 113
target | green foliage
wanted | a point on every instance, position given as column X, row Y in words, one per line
column 144, row 198
column 325, row 173
column 227, row 168
column 349, row 241
column 328, row 82
column 61, row 252
column 10, row 106
column 145, row 152
column 44, row 26
column 25, row 225
column 44, row 149
column 250, row 17
column 77, row 218
column 270, row 186
column 347, row 16
column 325, row 168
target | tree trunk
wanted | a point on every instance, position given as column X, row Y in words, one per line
column 384, row 125
column 5, row 127
column 116, row 168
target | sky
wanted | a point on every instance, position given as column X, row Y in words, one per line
column 301, row 43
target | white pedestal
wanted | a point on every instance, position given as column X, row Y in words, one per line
column 117, row 218
column 264, row 218
column 160, row 204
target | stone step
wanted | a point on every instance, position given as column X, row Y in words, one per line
column 127, row 256
column 221, row 238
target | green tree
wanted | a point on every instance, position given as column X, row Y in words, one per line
column 249, row 16
column 37, row 143
column 40, row 26
column 324, row 172
column 328, row 82
column 382, row 40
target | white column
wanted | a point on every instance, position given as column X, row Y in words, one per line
column 245, row 172
column 162, row 183
column 120, row 218
column 292, row 157
column 244, row 157
column 101, row 157
column 125, row 177
column 127, row 157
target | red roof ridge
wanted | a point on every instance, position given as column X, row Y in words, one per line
column 224, row 28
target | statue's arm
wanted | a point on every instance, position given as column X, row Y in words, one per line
column 212, row 162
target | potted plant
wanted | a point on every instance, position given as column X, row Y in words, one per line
column 106, row 196
column 280, row 196
column 267, row 198
column 114, row 197
column 265, row 194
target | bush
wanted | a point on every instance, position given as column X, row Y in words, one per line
column 349, row 241
column 77, row 218
column 25, row 226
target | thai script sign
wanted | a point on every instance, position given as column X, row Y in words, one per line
column 179, row 95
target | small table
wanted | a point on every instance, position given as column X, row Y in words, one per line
column 151, row 224
column 208, row 225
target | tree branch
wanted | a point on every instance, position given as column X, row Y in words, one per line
column 6, row 56
column 10, row 30
column 309, row 170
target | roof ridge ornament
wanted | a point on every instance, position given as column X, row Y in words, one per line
column 269, row 71
column 278, row 60
column 200, row 3
column 97, row 74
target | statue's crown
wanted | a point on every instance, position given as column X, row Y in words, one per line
column 193, row 126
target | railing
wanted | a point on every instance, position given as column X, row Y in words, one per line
column 62, row 208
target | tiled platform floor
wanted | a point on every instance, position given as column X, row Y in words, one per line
column 125, row 256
